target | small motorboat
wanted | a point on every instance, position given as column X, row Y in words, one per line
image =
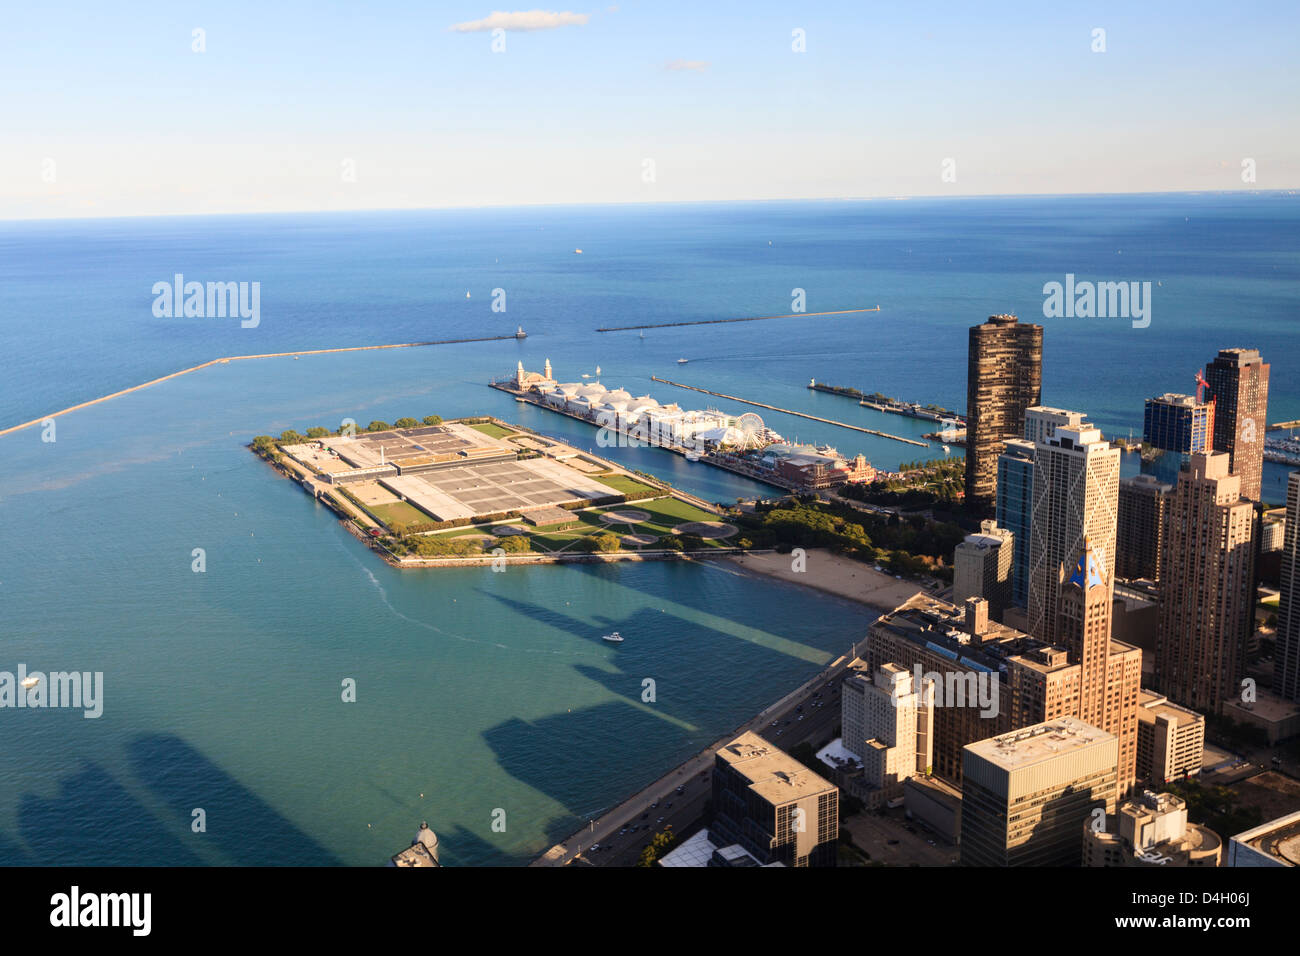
column 614, row 638
column 682, row 361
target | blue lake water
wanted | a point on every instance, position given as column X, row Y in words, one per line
column 487, row 691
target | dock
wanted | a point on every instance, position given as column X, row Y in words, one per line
column 771, row 480
column 750, row 318
column 240, row 358
column 787, row 411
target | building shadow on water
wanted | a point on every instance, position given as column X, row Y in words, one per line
column 682, row 657
column 94, row 821
column 240, row 825
column 566, row 755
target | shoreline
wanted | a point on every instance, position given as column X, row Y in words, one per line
column 827, row 572
column 834, row 574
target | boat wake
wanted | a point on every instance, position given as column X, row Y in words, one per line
column 383, row 596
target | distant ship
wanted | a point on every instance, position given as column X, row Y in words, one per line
column 577, row 252
column 692, row 456
column 520, row 333
column 682, row 361
column 615, row 638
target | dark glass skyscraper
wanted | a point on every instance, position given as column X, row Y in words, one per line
column 1238, row 380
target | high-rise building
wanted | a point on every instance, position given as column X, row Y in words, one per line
column 1207, row 576
column 1110, row 672
column 1015, row 507
column 1140, row 527
column 889, row 725
column 1238, row 380
column 772, row 805
column 1151, row 829
column 968, row 656
column 1042, row 421
column 1286, row 657
column 1176, row 427
column 981, row 567
column 1004, row 377
column 1026, row 794
column 1076, row 497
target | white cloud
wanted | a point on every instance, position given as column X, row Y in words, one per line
column 696, row 66
column 523, row 21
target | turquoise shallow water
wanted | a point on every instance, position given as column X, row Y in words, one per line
column 480, row 690
column 223, row 689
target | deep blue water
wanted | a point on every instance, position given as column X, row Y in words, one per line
column 481, row 690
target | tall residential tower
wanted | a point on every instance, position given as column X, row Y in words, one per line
column 1286, row 659
column 1238, row 380
column 1076, row 499
column 1207, row 572
column 1004, row 377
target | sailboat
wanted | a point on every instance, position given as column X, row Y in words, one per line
column 467, row 294
column 597, row 369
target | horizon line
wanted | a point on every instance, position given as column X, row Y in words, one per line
column 1281, row 190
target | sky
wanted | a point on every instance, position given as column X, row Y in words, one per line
column 109, row 110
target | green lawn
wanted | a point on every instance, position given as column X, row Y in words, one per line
column 492, row 430
column 665, row 514
column 400, row 512
column 628, row 486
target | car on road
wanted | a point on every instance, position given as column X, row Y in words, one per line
column 660, row 820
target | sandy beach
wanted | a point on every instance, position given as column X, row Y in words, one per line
column 834, row 574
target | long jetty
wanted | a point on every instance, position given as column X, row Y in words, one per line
column 750, row 318
column 787, row 411
column 240, row 358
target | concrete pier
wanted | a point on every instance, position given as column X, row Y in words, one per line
column 787, row 411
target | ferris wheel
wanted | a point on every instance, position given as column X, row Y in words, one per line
column 753, row 432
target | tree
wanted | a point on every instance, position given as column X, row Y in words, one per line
column 659, row 845
column 406, row 423
column 317, row 432
column 433, row 419
column 606, row 542
column 378, row 426
column 290, row 437
column 515, row 544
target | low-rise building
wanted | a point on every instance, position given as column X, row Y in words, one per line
column 1150, row 830
column 1275, row 843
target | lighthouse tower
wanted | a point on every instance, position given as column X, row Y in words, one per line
column 549, row 377
column 519, row 375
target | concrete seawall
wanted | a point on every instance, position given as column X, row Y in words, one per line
column 240, row 358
